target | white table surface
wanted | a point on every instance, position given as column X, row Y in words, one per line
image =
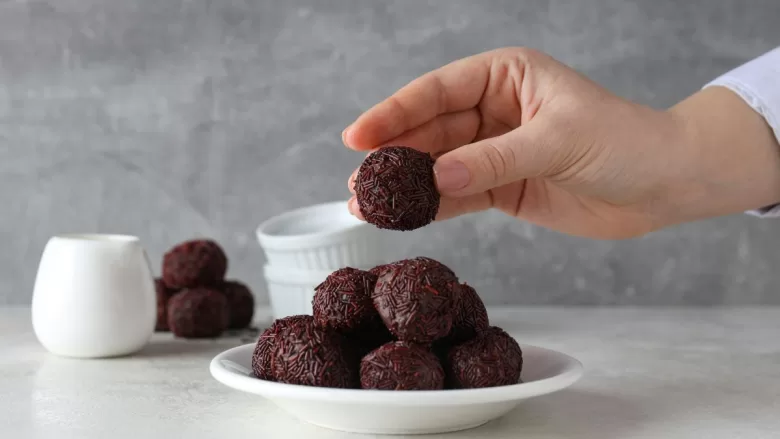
column 656, row 373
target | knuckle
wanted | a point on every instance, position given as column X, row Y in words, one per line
column 497, row 161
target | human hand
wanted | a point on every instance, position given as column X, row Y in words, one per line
column 514, row 129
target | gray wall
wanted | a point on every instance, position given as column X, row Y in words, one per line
column 171, row 119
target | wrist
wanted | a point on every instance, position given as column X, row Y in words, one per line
column 730, row 158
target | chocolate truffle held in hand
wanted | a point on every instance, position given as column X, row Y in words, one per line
column 396, row 188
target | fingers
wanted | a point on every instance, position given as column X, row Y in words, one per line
column 458, row 86
column 448, row 207
column 443, row 133
column 494, row 162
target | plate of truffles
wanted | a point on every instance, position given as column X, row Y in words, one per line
column 404, row 348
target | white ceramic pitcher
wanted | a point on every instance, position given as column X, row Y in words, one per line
column 94, row 296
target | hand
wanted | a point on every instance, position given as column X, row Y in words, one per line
column 514, row 129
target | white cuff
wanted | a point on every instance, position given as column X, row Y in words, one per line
column 757, row 82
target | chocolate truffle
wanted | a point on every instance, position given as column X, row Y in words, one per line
column 266, row 344
column 198, row 313
column 401, row 366
column 470, row 316
column 396, row 189
column 493, row 358
column 195, row 263
column 380, row 269
column 416, row 299
column 311, row 356
column 342, row 302
column 164, row 294
column 241, row 303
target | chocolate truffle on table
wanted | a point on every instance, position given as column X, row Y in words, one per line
column 493, row 358
column 241, row 303
column 342, row 302
column 401, row 366
column 396, row 189
column 266, row 344
column 194, row 263
column 416, row 299
column 163, row 296
column 308, row 355
column 198, row 313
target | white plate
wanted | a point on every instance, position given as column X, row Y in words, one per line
column 401, row 412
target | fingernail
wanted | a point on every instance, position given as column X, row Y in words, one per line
column 451, row 175
column 352, row 206
column 351, row 181
column 344, row 135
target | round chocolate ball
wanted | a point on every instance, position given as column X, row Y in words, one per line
column 195, row 263
column 241, row 303
column 342, row 302
column 396, row 189
column 401, row 366
column 493, row 358
column 308, row 355
column 380, row 269
column 416, row 298
column 266, row 344
column 198, row 313
column 164, row 294
column 470, row 316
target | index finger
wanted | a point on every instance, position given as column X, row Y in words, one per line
column 456, row 86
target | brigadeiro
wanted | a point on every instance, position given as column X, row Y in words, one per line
column 308, row 355
column 163, row 296
column 469, row 318
column 416, row 298
column 401, row 366
column 198, row 313
column 241, row 303
column 194, row 263
column 342, row 302
column 266, row 344
column 396, row 189
column 493, row 358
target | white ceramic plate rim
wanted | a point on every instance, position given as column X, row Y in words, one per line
column 573, row 370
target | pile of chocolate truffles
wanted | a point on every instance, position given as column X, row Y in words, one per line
column 194, row 300
column 407, row 325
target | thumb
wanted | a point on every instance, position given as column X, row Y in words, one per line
column 490, row 163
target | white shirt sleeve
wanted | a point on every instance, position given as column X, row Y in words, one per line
column 757, row 82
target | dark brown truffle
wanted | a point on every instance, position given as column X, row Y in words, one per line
column 266, row 344
column 241, row 303
column 343, row 301
column 194, row 263
column 401, row 366
column 470, row 316
column 311, row 356
column 380, row 269
column 198, row 313
column 164, row 294
column 416, row 299
column 396, row 189
column 493, row 358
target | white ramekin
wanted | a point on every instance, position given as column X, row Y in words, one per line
column 323, row 237
column 291, row 291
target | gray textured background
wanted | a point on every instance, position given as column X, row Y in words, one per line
column 172, row 119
